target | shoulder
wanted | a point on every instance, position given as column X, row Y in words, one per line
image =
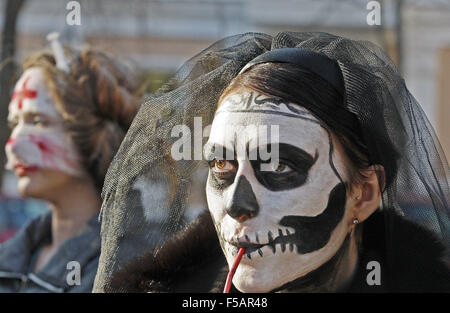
column 20, row 246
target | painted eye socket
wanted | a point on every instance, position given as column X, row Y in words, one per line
column 290, row 172
column 222, row 173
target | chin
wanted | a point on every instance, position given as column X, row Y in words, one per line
column 45, row 184
column 35, row 185
column 261, row 275
column 28, row 187
column 252, row 288
column 251, row 280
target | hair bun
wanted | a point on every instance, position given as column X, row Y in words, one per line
column 112, row 88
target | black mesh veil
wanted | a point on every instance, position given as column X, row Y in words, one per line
column 148, row 196
column 135, row 216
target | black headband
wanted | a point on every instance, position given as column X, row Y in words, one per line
column 315, row 62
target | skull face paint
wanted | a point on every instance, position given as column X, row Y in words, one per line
column 291, row 219
column 38, row 139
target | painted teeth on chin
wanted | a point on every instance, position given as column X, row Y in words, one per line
column 274, row 248
column 283, row 244
column 260, row 252
column 256, row 237
column 270, row 237
column 291, row 245
column 271, row 244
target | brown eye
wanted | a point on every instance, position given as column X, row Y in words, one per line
column 39, row 121
column 220, row 164
column 282, row 168
column 222, row 173
column 223, row 166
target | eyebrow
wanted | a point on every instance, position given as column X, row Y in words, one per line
column 297, row 155
column 289, row 152
column 213, row 151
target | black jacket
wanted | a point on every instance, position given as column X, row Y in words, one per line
column 17, row 252
column 193, row 261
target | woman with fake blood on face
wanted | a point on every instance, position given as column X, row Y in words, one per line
column 66, row 129
column 309, row 222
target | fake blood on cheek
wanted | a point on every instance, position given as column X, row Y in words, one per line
column 230, row 275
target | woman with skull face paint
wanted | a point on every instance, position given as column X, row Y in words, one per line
column 301, row 219
column 67, row 123
column 353, row 196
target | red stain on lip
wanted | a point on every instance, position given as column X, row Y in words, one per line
column 22, row 170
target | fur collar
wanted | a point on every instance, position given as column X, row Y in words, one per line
column 191, row 261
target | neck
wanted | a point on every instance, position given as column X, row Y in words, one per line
column 72, row 208
column 333, row 276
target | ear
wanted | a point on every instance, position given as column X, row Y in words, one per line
column 367, row 197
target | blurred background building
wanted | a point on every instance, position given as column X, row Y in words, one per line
column 159, row 35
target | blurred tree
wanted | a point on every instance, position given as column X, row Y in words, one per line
column 7, row 70
column 151, row 80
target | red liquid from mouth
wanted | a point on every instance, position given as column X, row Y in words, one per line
column 23, row 170
column 230, row 275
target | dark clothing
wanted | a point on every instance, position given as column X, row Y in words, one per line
column 18, row 255
column 193, row 262
column 418, row 262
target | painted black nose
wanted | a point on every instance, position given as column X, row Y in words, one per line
column 243, row 204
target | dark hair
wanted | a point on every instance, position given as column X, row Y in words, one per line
column 97, row 102
column 292, row 83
